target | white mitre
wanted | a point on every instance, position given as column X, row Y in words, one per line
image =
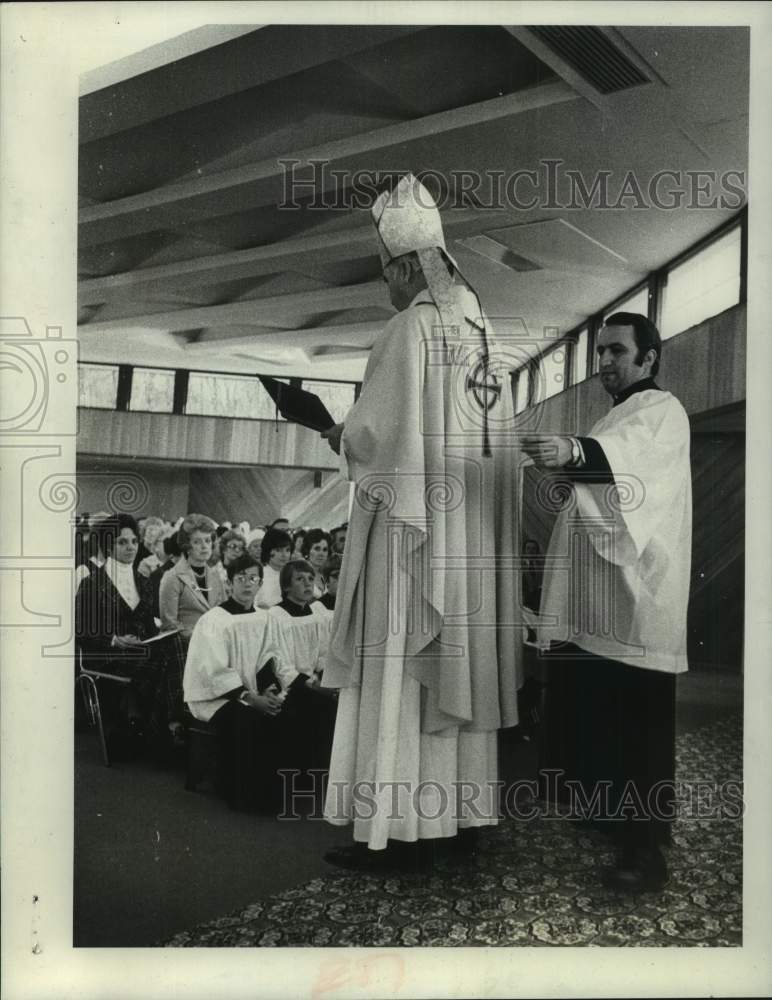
column 407, row 220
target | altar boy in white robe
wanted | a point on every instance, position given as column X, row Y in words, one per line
column 238, row 678
column 614, row 603
column 304, row 637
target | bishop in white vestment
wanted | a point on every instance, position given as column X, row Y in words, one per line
column 426, row 643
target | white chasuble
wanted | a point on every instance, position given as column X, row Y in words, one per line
column 619, row 560
column 426, row 641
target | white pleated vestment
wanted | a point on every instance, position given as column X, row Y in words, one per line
column 426, row 643
column 619, row 560
column 226, row 651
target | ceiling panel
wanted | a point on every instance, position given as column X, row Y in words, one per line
column 194, row 235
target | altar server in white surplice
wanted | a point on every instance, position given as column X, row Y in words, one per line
column 304, row 637
column 614, row 602
column 239, row 679
column 425, row 646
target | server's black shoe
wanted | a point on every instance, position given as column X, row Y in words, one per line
column 641, row 869
column 465, row 844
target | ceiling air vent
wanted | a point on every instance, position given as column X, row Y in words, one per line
column 592, row 54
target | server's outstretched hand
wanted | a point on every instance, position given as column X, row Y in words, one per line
column 550, row 451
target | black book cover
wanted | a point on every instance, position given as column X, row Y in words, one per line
column 266, row 677
column 297, row 405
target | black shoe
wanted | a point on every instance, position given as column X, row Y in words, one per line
column 609, row 828
column 466, row 842
column 641, row 869
column 398, row 857
column 358, row 857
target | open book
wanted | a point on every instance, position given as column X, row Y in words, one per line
column 161, row 635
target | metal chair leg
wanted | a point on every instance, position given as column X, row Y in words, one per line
column 91, row 697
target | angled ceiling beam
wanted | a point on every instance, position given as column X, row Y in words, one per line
column 348, row 244
column 359, row 336
column 372, row 293
column 262, row 183
column 209, row 63
column 164, row 53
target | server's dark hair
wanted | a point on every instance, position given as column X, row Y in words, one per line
column 241, row 564
column 287, row 572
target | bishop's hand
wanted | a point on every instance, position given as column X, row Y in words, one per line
column 333, row 435
column 549, row 451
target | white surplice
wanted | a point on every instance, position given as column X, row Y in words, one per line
column 304, row 639
column 632, row 539
column 226, row 651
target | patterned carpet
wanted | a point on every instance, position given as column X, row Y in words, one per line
column 531, row 884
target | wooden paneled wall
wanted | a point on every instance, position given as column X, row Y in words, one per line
column 133, row 487
column 718, row 550
column 201, row 440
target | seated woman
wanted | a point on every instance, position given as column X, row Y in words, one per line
column 316, row 550
column 187, row 591
column 274, row 554
column 305, row 637
column 150, row 553
column 298, row 537
column 113, row 617
column 237, row 678
column 88, row 553
column 190, row 587
column 227, row 545
column 254, row 541
column 232, row 545
column 172, row 553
